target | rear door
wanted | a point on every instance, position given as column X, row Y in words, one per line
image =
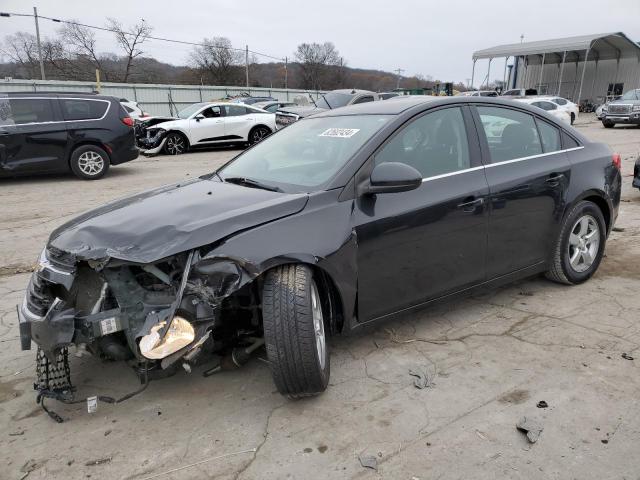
column 418, row 245
column 238, row 121
column 528, row 175
column 33, row 138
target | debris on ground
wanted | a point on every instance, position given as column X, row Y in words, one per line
column 422, row 379
column 16, row 433
column 626, row 356
column 525, row 293
column 531, row 427
column 542, row 404
column 99, row 461
column 617, row 229
column 368, row 461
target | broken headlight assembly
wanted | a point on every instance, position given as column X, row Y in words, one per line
column 177, row 335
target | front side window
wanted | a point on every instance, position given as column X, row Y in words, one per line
column 511, row 134
column 333, row 100
column 366, row 99
column 211, row 112
column 433, row 144
column 25, row 110
column 631, row 95
column 550, row 136
column 307, row 153
column 272, row 108
column 80, row 109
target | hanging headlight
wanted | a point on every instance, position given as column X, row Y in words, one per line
column 179, row 335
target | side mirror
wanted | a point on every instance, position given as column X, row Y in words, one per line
column 391, row 177
column 199, row 117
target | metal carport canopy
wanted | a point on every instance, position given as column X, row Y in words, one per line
column 607, row 45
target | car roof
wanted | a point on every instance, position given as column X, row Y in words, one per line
column 56, row 94
column 350, row 91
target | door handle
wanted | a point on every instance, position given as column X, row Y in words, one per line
column 554, row 179
column 471, row 205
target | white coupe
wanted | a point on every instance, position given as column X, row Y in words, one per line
column 207, row 124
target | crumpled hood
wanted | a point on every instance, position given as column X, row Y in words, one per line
column 169, row 124
column 153, row 225
column 302, row 111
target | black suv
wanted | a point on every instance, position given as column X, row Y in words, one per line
column 57, row 132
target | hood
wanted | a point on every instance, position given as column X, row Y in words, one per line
column 168, row 125
column 302, row 110
column 156, row 224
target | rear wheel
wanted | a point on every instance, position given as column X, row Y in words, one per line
column 89, row 162
column 608, row 124
column 581, row 245
column 294, row 331
column 257, row 134
column 175, row 144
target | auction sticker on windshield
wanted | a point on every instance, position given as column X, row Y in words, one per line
column 339, row 132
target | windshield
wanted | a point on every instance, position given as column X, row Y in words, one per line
column 333, row 100
column 190, row 110
column 631, row 95
column 305, row 154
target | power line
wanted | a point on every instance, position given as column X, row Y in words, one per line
column 161, row 39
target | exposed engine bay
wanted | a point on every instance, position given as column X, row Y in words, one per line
column 149, row 137
column 157, row 317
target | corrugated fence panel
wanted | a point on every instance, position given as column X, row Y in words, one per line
column 155, row 99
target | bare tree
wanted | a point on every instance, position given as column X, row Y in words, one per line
column 129, row 41
column 21, row 48
column 314, row 59
column 217, row 59
column 81, row 43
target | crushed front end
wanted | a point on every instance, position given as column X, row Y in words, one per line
column 156, row 316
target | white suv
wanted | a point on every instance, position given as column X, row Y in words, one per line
column 206, row 124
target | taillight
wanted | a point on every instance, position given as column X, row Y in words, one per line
column 128, row 121
column 617, row 161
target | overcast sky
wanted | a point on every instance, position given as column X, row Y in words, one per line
column 431, row 38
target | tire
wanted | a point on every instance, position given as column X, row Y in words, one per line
column 579, row 230
column 573, row 118
column 294, row 336
column 608, row 124
column 257, row 134
column 89, row 162
column 175, row 144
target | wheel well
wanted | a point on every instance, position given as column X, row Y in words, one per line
column 84, row 143
column 186, row 139
column 258, row 126
column 330, row 298
column 603, row 206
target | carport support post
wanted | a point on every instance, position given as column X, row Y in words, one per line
column 504, row 75
column 564, row 57
column 541, row 70
column 584, row 68
column 473, row 71
column 246, row 63
column 488, row 72
column 593, row 83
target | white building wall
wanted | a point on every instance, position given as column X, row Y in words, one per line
column 595, row 85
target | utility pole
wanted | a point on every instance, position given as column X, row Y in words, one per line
column 521, row 37
column 286, row 73
column 399, row 71
column 35, row 17
column 246, row 63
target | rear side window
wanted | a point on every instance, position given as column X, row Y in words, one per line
column 545, row 105
column 550, row 137
column 510, row 134
column 80, row 109
column 19, row 111
column 560, row 101
column 568, row 141
column 364, row 100
column 234, row 110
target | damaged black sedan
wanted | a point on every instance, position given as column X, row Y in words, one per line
column 339, row 220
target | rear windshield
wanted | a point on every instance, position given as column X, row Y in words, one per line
column 83, row 109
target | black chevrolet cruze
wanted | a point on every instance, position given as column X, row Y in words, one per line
column 334, row 222
column 59, row 132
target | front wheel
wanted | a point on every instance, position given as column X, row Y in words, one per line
column 581, row 245
column 175, row 144
column 258, row 134
column 294, row 331
column 607, row 124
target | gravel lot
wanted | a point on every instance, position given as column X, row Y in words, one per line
column 491, row 359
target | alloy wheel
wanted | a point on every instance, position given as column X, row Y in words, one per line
column 91, row 163
column 318, row 325
column 175, row 145
column 259, row 134
column 584, row 243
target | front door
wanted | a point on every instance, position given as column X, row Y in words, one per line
column 32, row 137
column 207, row 126
column 419, row 245
column 528, row 178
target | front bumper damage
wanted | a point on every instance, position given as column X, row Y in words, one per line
column 155, row 316
column 152, row 142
